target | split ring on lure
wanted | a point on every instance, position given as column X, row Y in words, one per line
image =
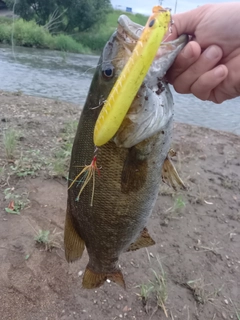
column 132, row 76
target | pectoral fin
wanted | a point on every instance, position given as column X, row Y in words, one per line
column 170, row 175
column 93, row 280
column 144, row 240
column 74, row 245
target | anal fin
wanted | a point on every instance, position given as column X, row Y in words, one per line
column 74, row 245
column 144, row 240
column 92, row 280
column 170, row 175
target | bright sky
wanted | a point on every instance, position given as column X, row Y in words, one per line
column 145, row 6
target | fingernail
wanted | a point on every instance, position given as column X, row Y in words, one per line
column 187, row 52
column 212, row 52
column 219, row 72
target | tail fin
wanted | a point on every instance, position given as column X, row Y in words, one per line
column 93, row 280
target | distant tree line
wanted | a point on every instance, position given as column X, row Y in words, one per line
column 62, row 15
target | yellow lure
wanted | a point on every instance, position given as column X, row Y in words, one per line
column 132, row 76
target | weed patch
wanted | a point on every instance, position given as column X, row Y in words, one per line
column 16, row 202
column 10, row 139
column 47, row 239
column 59, row 163
column 179, row 204
column 155, row 289
column 28, row 164
column 29, row 34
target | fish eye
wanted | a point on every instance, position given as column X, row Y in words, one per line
column 151, row 23
column 108, row 73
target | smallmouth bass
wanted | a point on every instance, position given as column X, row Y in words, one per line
column 108, row 214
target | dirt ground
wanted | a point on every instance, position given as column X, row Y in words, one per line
column 193, row 271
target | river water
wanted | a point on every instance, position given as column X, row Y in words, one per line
column 68, row 76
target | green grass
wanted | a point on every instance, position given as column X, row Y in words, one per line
column 96, row 39
column 59, row 163
column 237, row 312
column 28, row 164
column 48, row 240
column 156, row 288
column 22, row 163
column 5, row 20
column 29, row 34
column 112, row 18
column 145, row 291
column 66, row 43
column 42, row 237
column 10, row 139
column 201, row 291
column 179, row 204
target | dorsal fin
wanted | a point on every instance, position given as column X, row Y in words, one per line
column 144, row 240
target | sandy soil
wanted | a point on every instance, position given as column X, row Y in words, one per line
column 197, row 232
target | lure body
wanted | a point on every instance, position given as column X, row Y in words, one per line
column 132, row 76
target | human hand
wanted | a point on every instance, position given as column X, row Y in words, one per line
column 209, row 66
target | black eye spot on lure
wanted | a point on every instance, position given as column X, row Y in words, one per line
column 151, row 23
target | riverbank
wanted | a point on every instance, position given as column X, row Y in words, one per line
column 197, row 232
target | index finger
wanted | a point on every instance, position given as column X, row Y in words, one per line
column 184, row 60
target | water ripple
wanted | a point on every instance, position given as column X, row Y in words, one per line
column 67, row 76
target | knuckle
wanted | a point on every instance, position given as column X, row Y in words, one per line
column 196, row 70
column 181, row 87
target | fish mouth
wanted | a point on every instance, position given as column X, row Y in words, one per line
column 130, row 33
column 128, row 30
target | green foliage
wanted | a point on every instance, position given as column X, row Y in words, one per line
column 112, row 18
column 84, row 14
column 140, row 18
column 67, row 14
column 29, row 34
column 179, row 204
column 28, row 164
column 98, row 33
column 66, row 43
column 42, row 237
column 10, row 142
column 39, row 10
column 5, row 20
column 97, row 36
column 156, row 288
column 17, row 202
column 145, row 291
column 94, row 41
